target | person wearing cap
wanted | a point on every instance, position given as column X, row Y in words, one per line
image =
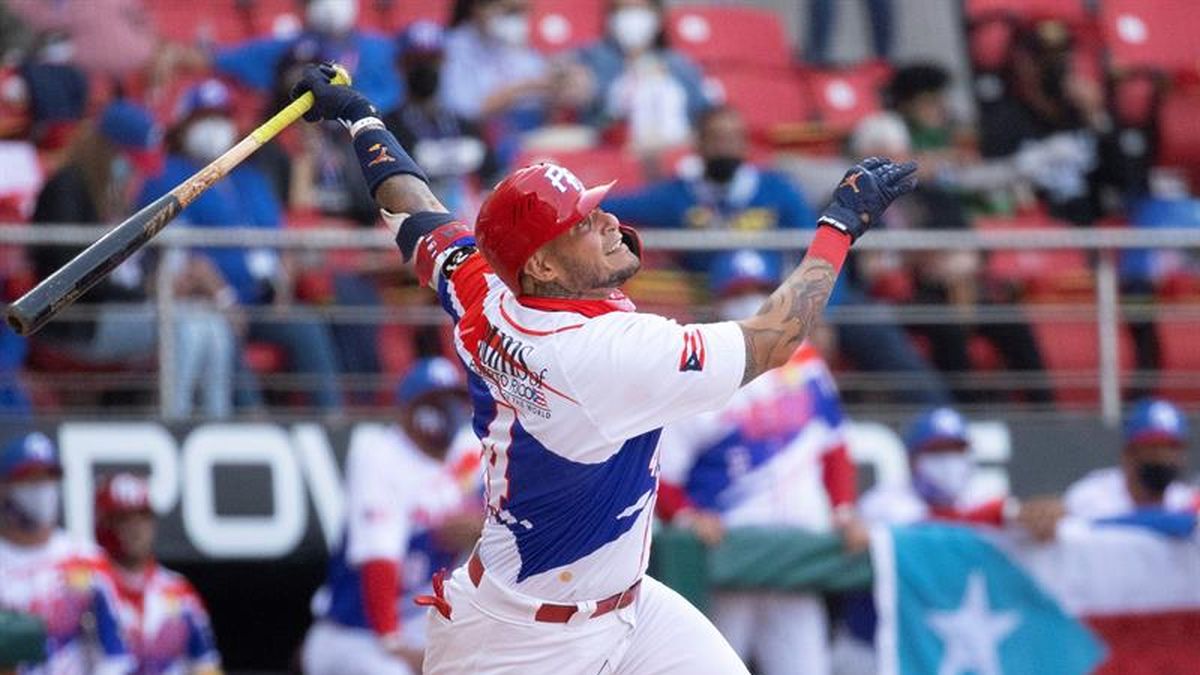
column 774, row 456
column 413, row 506
column 448, row 146
column 1150, row 472
column 162, row 617
column 571, row 388
column 44, row 572
column 247, row 277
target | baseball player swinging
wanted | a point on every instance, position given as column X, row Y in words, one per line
column 570, row 388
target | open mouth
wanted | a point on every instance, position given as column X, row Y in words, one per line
column 615, row 247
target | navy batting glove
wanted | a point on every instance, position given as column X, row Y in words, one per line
column 865, row 193
column 332, row 102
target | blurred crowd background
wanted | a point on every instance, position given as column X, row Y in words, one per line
column 721, row 118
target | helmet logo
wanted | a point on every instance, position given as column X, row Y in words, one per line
column 557, row 174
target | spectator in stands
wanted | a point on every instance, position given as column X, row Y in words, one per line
column 491, row 76
column 14, row 400
column 732, row 193
column 1149, row 477
column 774, row 456
column 161, row 614
column 448, row 147
column 103, row 166
column 260, row 278
column 107, row 37
column 951, row 278
column 821, row 17
column 639, row 81
column 329, row 35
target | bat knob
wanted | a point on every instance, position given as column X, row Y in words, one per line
column 341, row 76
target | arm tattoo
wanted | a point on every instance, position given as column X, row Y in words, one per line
column 781, row 325
column 405, row 193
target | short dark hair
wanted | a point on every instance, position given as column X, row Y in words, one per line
column 913, row 80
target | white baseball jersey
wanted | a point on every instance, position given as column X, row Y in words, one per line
column 1102, row 493
column 165, row 624
column 569, row 399
column 759, row 460
column 65, row 582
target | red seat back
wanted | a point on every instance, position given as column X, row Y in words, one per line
column 1070, row 11
column 566, row 24
column 1160, row 34
column 728, row 35
column 844, row 96
column 767, row 98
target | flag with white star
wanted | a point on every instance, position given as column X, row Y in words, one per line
column 951, row 603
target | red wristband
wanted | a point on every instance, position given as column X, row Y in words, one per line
column 830, row 245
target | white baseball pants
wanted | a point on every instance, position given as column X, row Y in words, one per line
column 492, row 632
column 785, row 634
column 332, row 649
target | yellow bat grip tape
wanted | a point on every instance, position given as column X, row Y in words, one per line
column 294, row 111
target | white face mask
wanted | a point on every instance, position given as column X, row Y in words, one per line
column 36, row 502
column 332, row 17
column 511, row 29
column 741, row 306
column 634, row 28
column 206, row 139
column 947, row 473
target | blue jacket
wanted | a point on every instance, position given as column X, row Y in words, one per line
column 370, row 59
column 241, row 199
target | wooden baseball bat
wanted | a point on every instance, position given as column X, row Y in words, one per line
column 32, row 310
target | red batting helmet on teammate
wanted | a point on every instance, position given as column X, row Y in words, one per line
column 526, row 211
column 118, row 494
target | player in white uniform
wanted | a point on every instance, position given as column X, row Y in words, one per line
column 413, row 507
column 163, row 619
column 1152, row 461
column 775, row 455
column 570, row 388
column 44, row 572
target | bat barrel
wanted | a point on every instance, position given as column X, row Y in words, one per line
column 48, row 298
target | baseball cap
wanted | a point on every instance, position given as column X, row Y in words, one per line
column 211, row 95
column 734, row 271
column 527, row 210
column 421, row 37
column 132, row 128
column 938, row 429
column 429, row 375
column 26, row 454
column 1156, row 421
column 123, row 492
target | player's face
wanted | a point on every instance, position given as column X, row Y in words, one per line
column 1150, row 468
column 590, row 259
column 136, row 534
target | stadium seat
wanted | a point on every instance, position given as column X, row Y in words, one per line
column 1180, row 358
column 222, row 22
column 729, row 35
column 1156, row 35
column 592, row 165
column 1178, row 132
column 1043, row 274
column 845, row 96
column 767, row 98
column 560, row 25
column 1070, row 11
column 390, row 16
column 1070, row 350
column 276, row 18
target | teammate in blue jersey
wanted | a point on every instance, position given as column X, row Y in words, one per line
column 412, row 507
column 571, row 387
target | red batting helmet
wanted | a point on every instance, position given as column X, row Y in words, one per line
column 526, row 211
column 118, row 494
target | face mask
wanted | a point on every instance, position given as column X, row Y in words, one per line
column 206, row 139
column 741, row 306
column 1155, row 476
column 721, row 169
column 332, row 17
column 423, row 80
column 634, row 28
column 511, row 29
column 36, row 504
column 121, row 170
column 941, row 477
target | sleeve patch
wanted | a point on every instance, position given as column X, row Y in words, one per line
column 691, row 357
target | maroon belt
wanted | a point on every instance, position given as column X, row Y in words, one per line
column 551, row 613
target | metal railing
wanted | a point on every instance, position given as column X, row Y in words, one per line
column 1106, row 309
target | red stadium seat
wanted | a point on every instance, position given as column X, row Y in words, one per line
column 566, row 24
column 1157, row 35
column 1070, row 351
column 277, row 18
column 1070, row 11
column 1178, row 132
column 1180, row 359
column 767, row 98
column 221, row 22
column 845, row 96
column 1052, row 273
column 729, row 35
column 592, row 165
column 390, row 16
